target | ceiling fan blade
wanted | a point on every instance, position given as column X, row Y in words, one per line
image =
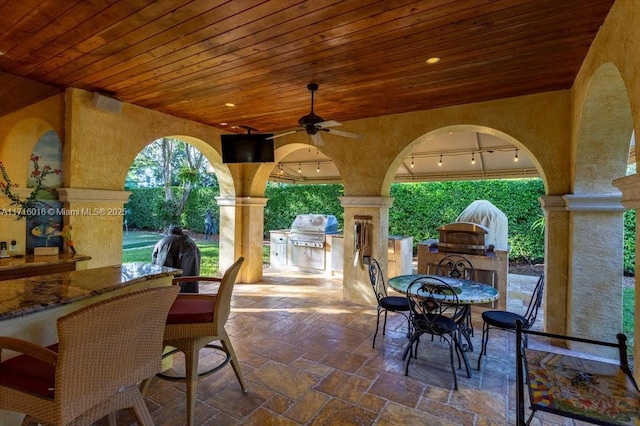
column 345, row 134
column 285, row 133
column 328, row 123
column 317, row 139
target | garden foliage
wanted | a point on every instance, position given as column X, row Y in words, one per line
column 418, row 210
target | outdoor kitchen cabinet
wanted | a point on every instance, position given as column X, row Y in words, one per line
column 336, row 244
column 278, row 248
column 400, row 256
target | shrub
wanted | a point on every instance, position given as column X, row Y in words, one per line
column 418, row 210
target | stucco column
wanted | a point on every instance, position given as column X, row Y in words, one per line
column 97, row 217
column 630, row 188
column 243, row 240
column 596, row 264
column 556, row 264
column 356, row 283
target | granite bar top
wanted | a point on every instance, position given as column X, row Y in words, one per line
column 24, row 296
column 29, row 260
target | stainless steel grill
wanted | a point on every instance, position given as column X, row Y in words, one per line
column 307, row 240
column 308, row 230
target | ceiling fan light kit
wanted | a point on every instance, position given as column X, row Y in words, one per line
column 313, row 124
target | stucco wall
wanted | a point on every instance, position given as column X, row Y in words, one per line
column 100, row 147
column 538, row 124
column 19, row 132
column 606, row 94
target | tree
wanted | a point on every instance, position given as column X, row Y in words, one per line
column 179, row 170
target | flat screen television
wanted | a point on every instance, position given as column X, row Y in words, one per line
column 250, row 148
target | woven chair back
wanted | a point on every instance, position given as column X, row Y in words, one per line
column 108, row 346
column 223, row 299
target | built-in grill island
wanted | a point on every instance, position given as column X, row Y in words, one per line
column 314, row 244
column 307, row 238
column 304, row 246
column 480, row 235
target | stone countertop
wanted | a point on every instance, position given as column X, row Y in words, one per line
column 469, row 292
column 23, row 296
column 11, row 263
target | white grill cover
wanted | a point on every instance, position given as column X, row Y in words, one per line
column 488, row 215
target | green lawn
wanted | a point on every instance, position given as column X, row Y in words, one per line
column 628, row 308
column 138, row 247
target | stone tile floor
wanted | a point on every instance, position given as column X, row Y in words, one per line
column 307, row 357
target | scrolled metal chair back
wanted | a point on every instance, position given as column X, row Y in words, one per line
column 455, row 266
column 534, row 305
column 432, row 299
column 376, row 277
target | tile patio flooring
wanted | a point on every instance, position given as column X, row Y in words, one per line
column 307, row 357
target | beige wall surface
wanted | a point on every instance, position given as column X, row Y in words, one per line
column 606, row 109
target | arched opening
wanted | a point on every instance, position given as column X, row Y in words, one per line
column 298, row 165
column 603, row 133
column 196, row 168
column 469, row 153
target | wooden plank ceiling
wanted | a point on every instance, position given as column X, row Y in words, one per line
column 190, row 57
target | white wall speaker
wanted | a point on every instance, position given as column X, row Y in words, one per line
column 106, row 103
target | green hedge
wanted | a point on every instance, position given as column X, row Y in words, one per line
column 418, row 210
column 143, row 208
column 286, row 201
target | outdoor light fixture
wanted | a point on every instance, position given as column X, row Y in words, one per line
column 318, row 169
column 299, row 168
column 412, row 161
column 440, row 163
column 516, row 157
column 473, row 158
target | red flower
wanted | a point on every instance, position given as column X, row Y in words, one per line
column 35, row 173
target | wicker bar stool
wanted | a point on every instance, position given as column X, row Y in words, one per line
column 105, row 350
column 194, row 322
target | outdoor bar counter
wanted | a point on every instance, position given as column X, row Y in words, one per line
column 30, row 265
column 29, row 307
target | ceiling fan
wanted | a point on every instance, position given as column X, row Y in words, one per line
column 314, row 125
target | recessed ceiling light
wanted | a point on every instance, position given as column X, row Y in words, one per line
column 224, row 124
column 433, row 60
column 230, row 105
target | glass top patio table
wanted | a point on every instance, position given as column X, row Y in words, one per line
column 469, row 292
